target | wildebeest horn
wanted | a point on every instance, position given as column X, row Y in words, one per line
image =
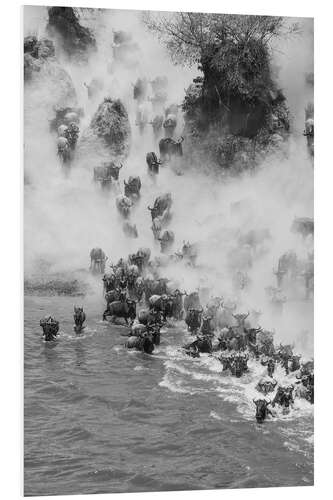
column 121, row 166
column 269, row 402
column 149, row 208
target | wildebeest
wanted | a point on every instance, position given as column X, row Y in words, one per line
column 123, row 204
column 262, row 410
column 97, row 260
column 132, row 187
column 144, row 343
column 207, row 327
column 266, row 385
column 153, row 163
column 79, row 318
column 50, row 328
column 284, row 397
column 193, row 319
column 109, row 281
column 121, row 309
column 169, row 147
column 161, row 204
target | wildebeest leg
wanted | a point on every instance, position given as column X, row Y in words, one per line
column 105, row 314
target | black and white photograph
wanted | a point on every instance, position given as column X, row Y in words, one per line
column 168, row 231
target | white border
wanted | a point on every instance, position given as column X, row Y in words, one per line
column 11, row 245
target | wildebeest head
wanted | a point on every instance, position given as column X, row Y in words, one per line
column 261, row 409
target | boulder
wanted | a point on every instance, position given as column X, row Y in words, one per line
column 108, row 135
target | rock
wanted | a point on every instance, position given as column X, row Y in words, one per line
column 76, row 40
column 109, row 131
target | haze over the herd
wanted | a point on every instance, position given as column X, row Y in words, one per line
column 66, row 216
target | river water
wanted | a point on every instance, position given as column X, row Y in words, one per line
column 102, row 419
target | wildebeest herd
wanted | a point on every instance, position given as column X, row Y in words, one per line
column 146, row 303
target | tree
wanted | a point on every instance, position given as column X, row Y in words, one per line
column 233, row 53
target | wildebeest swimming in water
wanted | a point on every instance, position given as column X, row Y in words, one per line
column 262, row 410
column 79, row 319
column 144, row 343
column 50, row 327
column 121, row 309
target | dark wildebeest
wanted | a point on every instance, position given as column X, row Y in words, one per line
column 284, row 397
column 153, row 163
column 193, row 319
column 262, row 410
column 169, row 147
column 119, row 309
column 50, row 328
column 79, row 318
column 161, row 204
